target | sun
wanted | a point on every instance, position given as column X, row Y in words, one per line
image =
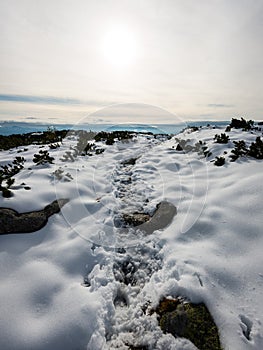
column 119, row 46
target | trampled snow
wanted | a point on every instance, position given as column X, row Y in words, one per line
column 62, row 286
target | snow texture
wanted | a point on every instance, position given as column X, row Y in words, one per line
column 81, row 282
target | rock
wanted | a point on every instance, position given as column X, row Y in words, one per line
column 162, row 217
column 175, row 322
column 55, row 207
column 167, row 305
column 13, row 222
column 130, row 161
column 191, row 321
column 136, row 219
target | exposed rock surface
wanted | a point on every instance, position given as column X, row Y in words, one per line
column 136, row 219
column 191, row 321
column 130, row 161
column 13, row 222
column 162, row 217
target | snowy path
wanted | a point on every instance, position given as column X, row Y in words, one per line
column 133, row 263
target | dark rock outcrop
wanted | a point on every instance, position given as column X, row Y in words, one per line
column 136, row 219
column 13, row 222
column 130, row 161
column 190, row 321
column 162, row 217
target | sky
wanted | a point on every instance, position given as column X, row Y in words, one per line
column 66, row 60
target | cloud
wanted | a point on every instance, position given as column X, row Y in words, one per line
column 50, row 100
column 37, row 99
column 220, row 105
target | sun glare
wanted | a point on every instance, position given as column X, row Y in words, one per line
column 119, row 47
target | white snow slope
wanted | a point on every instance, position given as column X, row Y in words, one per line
column 62, row 288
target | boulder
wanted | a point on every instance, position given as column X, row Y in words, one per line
column 190, row 321
column 13, row 222
column 162, row 217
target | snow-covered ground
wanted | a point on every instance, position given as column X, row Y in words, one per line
column 82, row 282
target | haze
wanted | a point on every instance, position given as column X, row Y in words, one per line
column 64, row 60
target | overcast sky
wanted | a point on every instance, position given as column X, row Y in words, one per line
column 66, row 59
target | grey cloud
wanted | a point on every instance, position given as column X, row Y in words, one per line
column 50, row 100
column 220, row 105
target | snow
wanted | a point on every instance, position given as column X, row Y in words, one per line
column 61, row 287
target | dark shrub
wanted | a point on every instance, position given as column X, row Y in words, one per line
column 10, row 170
column 16, row 140
column 43, row 157
column 88, row 148
column 241, row 124
column 239, row 150
column 6, row 192
column 109, row 137
column 9, row 182
column 223, row 138
column 194, row 128
column 219, row 161
column 110, row 141
column 256, row 149
column 6, row 173
column 207, row 153
column 54, row 145
column 99, row 150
